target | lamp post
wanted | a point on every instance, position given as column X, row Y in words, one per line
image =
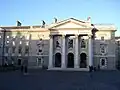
column 94, row 30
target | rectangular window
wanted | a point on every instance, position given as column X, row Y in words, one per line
column 7, row 49
column 20, row 50
column 13, row 49
column 83, row 43
column 103, row 48
column 70, row 43
column 26, row 49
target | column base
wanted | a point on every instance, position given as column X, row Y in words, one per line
column 50, row 66
column 63, row 66
column 69, row 69
column 76, row 66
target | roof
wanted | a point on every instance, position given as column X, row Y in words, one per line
column 98, row 26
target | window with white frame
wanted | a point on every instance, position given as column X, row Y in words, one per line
column 70, row 43
column 20, row 49
column 58, row 42
column 103, row 62
column 13, row 49
column 103, row 49
column 26, row 49
column 83, row 43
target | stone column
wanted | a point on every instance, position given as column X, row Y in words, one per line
column 50, row 52
column 90, row 50
column 76, row 62
column 63, row 52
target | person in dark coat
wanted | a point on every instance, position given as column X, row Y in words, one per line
column 24, row 67
column 25, row 64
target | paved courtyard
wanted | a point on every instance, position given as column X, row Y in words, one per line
column 59, row 80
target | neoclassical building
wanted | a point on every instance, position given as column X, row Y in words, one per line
column 69, row 44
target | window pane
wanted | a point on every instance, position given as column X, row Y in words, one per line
column 20, row 50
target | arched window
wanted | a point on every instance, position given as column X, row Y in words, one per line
column 83, row 44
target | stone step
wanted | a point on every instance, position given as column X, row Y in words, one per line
column 69, row 69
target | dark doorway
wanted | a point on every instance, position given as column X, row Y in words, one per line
column 83, row 59
column 70, row 63
column 19, row 61
column 57, row 60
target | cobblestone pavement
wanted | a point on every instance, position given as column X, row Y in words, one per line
column 60, row 80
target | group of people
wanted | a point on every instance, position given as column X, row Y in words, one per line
column 91, row 68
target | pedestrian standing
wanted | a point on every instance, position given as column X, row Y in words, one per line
column 25, row 67
column 22, row 67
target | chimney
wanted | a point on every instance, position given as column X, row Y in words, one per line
column 19, row 23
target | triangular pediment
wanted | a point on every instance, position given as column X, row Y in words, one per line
column 70, row 23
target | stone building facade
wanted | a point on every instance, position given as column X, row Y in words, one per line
column 63, row 45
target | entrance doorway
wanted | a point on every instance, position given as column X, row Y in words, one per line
column 57, row 60
column 83, row 58
column 70, row 61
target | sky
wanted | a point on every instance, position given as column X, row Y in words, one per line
column 31, row 12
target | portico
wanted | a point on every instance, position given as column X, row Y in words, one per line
column 65, row 55
column 74, row 55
